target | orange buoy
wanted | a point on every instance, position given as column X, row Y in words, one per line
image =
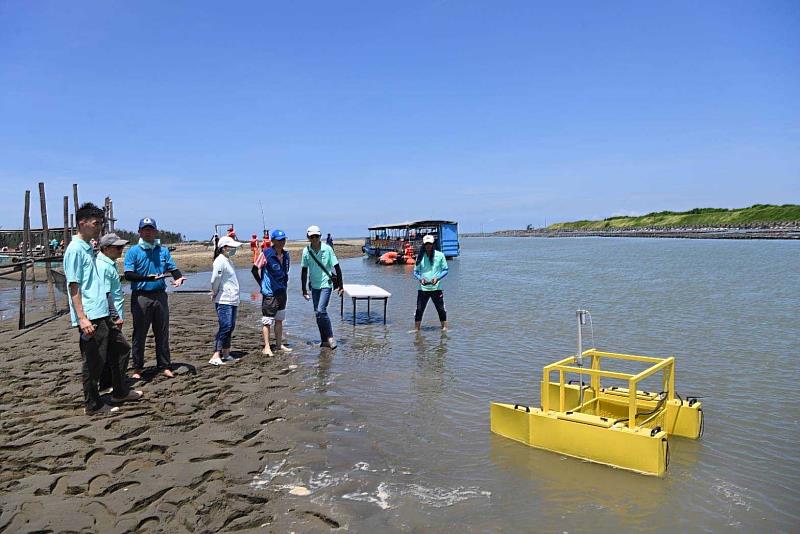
column 388, row 258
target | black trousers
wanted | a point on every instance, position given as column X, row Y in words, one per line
column 106, row 345
column 422, row 301
column 117, row 338
column 150, row 308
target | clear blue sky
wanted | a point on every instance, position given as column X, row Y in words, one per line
column 345, row 114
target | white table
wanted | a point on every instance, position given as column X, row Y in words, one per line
column 365, row 292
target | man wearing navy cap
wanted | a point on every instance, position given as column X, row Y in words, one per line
column 146, row 265
column 271, row 271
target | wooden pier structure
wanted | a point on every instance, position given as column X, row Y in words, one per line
column 34, row 247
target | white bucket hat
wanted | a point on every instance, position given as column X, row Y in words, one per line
column 313, row 230
column 228, row 242
column 428, row 239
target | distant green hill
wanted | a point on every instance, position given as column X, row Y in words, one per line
column 757, row 213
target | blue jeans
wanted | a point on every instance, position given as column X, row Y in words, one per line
column 226, row 313
column 321, row 297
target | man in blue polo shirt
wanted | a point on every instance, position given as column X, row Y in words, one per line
column 146, row 265
column 89, row 312
column 271, row 271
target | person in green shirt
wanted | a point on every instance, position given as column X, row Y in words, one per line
column 430, row 269
column 319, row 261
column 111, row 247
column 89, row 311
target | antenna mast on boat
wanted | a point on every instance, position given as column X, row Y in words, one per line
column 581, row 316
column 263, row 221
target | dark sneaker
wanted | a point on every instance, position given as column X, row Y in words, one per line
column 102, row 410
column 133, row 395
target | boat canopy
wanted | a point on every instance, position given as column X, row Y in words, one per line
column 410, row 224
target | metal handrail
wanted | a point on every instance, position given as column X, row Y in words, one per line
column 667, row 365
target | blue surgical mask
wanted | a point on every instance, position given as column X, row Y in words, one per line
column 145, row 245
column 231, row 251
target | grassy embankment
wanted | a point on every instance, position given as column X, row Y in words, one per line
column 698, row 217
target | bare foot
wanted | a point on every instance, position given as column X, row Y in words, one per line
column 168, row 373
column 267, row 352
column 137, row 375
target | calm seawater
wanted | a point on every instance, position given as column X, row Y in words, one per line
column 410, row 445
column 409, row 441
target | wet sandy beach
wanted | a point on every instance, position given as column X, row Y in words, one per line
column 184, row 459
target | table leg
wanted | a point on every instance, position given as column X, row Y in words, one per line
column 354, row 311
column 341, row 299
column 369, row 300
column 384, row 310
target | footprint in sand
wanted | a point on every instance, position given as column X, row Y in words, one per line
column 220, row 456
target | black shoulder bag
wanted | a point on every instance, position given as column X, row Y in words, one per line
column 333, row 277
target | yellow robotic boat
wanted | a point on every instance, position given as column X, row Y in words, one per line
column 620, row 426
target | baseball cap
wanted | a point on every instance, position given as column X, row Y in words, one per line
column 147, row 221
column 112, row 240
column 278, row 234
column 228, row 242
column 428, row 239
column 313, row 230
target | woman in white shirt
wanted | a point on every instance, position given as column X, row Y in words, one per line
column 225, row 293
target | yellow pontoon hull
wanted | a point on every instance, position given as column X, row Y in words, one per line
column 579, row 436
column 601, row 431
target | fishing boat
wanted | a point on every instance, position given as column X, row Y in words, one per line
column 619, row 426
column 393, row 238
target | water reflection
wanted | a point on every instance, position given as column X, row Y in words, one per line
column 429, row 378
column 566, row 486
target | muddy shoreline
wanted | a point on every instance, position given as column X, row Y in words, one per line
column 190, row 457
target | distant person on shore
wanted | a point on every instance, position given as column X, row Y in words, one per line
column 319, row 261
column 254, row 250
column 231, row 233
column 430, row 268
column 329, row 240
column 111, row 247
column 271, row 272
column 89, row 311
column 265, row 242
column 225, row 294
column 146, row 265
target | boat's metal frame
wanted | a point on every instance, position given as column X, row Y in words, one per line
column 393, row 237
column 618, row 426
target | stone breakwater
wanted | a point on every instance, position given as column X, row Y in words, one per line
column 787, row 231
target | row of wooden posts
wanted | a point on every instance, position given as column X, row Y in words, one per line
column 28, row 258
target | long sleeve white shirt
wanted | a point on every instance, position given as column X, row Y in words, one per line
column 224, row 283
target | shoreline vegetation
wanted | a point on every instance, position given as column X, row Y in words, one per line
column 760, row 221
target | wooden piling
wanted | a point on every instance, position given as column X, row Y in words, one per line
column 66, row 222
column 26, row 225
column 111, row 218
column 66, row 240
column 46, row 235
column 75, row 199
